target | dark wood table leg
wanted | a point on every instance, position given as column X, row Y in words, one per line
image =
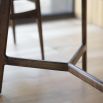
column 4, row 23
column 1, row 75
column 84, row 33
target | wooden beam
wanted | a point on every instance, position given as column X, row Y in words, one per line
column 37, row 64
column 77, row 55
column 93, row 81
column 27, row 14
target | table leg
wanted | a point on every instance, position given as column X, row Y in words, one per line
column 4, row 24
column 84, row 33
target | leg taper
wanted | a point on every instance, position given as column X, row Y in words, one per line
column 1, row 76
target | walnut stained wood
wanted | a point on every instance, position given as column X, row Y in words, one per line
column 68, row 67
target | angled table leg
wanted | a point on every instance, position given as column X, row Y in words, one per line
column 4, row 23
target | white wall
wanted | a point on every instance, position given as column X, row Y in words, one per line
column 59, row 6
column 94, row 11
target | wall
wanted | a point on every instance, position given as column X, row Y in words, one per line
column 61, row 6
column 95, row 11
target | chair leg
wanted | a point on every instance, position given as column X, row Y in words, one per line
column 14, row 34
column 40, row 37
column 13, row 22
column 39, row 23
column 1, row 75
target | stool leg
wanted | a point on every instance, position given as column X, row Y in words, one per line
column 39, row 22
column 13, row 22
column 41, row 37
